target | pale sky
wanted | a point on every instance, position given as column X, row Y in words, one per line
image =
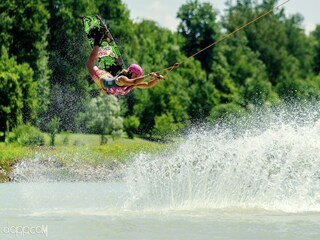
column 164, row 11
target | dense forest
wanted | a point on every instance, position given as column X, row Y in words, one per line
column 44, row 82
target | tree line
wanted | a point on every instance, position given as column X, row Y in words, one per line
column 43, row 78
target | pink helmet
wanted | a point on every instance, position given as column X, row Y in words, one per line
column 135, row 68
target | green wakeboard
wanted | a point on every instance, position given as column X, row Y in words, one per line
column 109, row 57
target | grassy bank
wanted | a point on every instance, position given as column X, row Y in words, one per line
column 9, row 155
column 80, row 148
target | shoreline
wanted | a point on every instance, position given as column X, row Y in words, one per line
column 76, row 158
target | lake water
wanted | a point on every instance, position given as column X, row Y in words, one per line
column 99, row 211
column 256, row 182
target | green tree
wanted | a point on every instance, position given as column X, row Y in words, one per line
column 291, row 85
column 200, row 29
column 10, row 101
column 276, row 39
column 266, row 37
column 117, row 17
column 316, row 37
column 203, row 94
column 24, row 27
column 258, row 92
column 248, row 73
column 26, row 83
column 102, row 116
column 299, row 45
column 17, row 92
column 298, row 90
column 275, row 50
column 68, row 53
column 158, row 48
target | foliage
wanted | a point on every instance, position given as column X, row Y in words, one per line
column 43, row 74
column 258, row 92
column 169, row 95
column 53, row 128
column 300, row 90
column 316, row 39
column 16, row 88
column 24, row 27
column 199, row 28
column 68, row 51
column 226, row 112
column 26, row 135
column 131, row 125
column 165, row 125
column 102, row 117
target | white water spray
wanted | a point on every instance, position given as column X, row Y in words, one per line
column 272, row 163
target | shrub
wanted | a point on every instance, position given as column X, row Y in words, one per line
column 27, row 135
column 53, row 129
column 130, row 125
column 166, row 126
column 226, row 112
